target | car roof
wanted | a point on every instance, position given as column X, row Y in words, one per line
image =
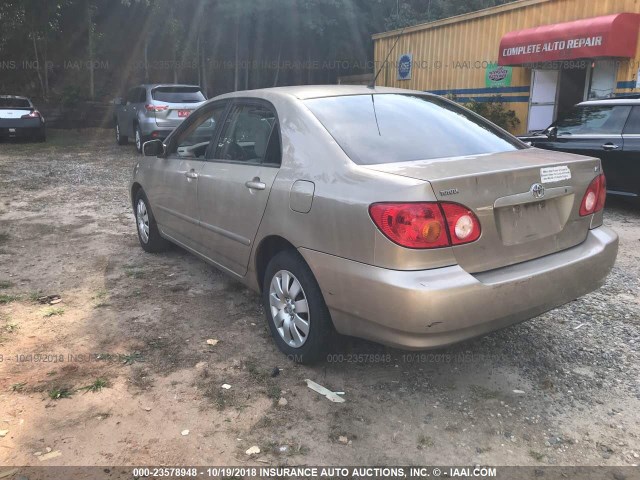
column 156, row 85
column 19, row 97
column 612, row 101
column 306, row 92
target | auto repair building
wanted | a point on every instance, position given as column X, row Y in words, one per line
column 541, row 56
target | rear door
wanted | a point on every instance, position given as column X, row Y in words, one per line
column 175, row 179
column 235, row 183
column 627, row 171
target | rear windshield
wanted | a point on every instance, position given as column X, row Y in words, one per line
column 388, row 128
column 14, row 103
column 178, row 94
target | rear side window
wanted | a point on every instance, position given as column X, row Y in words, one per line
column 7, row 103
column 594, row 120
column 633, row 124
column 178, row 94
column 388, row 128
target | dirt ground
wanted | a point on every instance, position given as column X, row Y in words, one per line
column 118, row 370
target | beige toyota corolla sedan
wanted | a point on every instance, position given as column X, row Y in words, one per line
column 385, row 214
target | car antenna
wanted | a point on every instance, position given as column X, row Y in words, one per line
column 372, row 85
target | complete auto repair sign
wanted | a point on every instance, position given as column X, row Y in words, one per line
column 608, row 36
column 553, row 46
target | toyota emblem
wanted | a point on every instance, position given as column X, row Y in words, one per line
column 537, row 190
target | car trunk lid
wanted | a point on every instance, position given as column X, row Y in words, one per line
column 519, row 222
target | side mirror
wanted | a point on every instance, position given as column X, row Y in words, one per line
column 552, row 133
column 153, row 148
column 119, row 101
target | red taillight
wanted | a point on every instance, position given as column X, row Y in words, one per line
column 595, row 196
column 426, row 225
column 34, row 114
column 156, row 108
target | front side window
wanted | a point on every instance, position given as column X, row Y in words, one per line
column 246, row 135
column 594, row 120
column 388, row 128
column 197, row 137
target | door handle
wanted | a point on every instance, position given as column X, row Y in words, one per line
column 255, row 184
column 191, row 174
column 610, row 146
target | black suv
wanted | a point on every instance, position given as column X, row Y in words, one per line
column 607, row 129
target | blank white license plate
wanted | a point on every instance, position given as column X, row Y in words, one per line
column 12, row 130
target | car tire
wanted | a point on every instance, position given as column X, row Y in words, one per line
column 148, row 234
column 287, row 324
column 139, row 139
column 120, row 139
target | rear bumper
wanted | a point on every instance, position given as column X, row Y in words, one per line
column 21, row 128
column 439, row 307
column 150, row 129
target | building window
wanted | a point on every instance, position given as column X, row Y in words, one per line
column 604, row 75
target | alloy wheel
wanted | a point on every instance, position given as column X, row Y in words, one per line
column 142, row 217
column 289, row 308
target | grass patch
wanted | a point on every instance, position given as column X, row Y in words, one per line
column 482, row 392
column 57, row 393
column 53, row 312
column 18, row 387
column 4, row 284
column 101, row 299
column 133, row 271
column 537, row 456
column 274, row 392
column 259, row 375
column 425, row 442
column 5, row 299
column 35, row 296
column 131, row 358
column 11, row 327
column 96, row 386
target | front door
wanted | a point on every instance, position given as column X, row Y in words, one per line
column 544, row 93
column 595, row 131
column 627, row 171
column 234, row 185
column 176, row 178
